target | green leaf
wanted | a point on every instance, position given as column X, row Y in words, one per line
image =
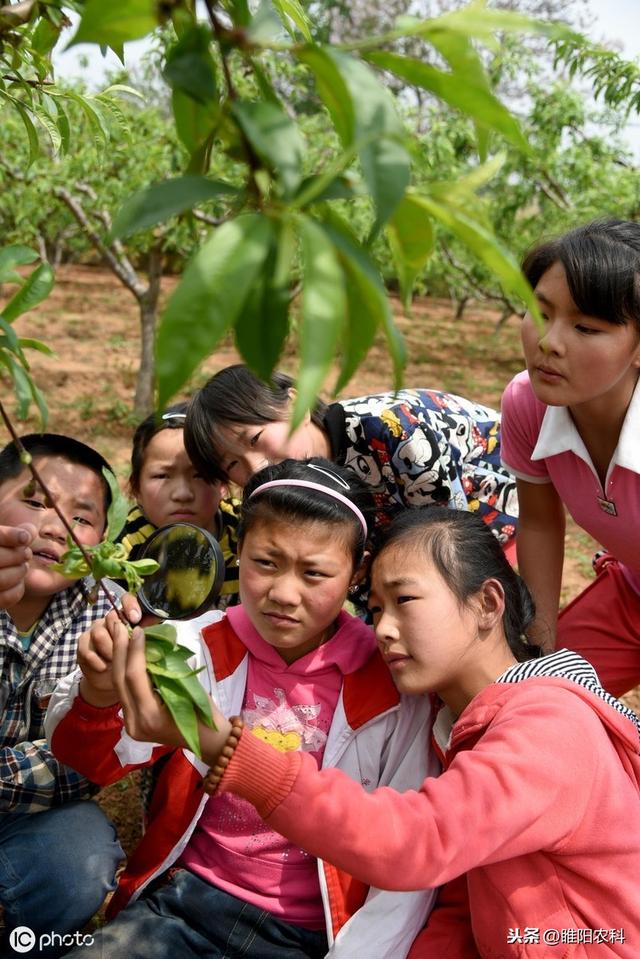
column 194, row 121
column 10, row 338
column 181, row 708
column 293, row 10
column 476, row 19
column 333, row 91
column 456, row 89
column 174, row 664
column 162, row 633
column 275, row 138
column 462, row 189
column 322, row 314
column 263, row 324
column 159, row 201
column 378, row 133
column 119, row 508
column 265, row 27
column 485, row 245
column 34, row 290
column 115, row 22
column 121, row 88
column 12, row 256
column 41, row 403
column 190, row 67
column 22, row 384
column 411, row 239
column 192, row 685
column 317, row 189
column 240, row 13
column 367, row 305
column 94, row 115
column 45, row 37
column 208, row 300
column 51, row 128
column 32, row 133
column 144, row 567
column 27, row 343
column 64, row 128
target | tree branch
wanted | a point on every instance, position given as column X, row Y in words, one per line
column 120, row 266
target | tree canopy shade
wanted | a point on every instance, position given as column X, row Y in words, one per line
column 286, row 229
column 303, row 147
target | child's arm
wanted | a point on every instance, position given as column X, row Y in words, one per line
column 32, row 779
column 95, row 654
column 422, row 838
column 84, row 720
column 540, row 548
column 15, row 554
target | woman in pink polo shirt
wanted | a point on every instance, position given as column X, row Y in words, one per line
column 570, row 434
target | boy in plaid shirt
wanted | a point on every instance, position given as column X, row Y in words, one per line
column 58, row 852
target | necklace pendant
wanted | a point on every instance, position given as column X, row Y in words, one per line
column 607, row 506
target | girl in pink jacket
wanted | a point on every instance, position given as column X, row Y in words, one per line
column 209, row 877
column 538, row 805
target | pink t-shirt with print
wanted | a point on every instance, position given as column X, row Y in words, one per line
column 540, row 444
column 290, row 707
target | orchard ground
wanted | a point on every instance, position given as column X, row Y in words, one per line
column 92, row 324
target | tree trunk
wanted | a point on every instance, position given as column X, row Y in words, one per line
column 144, row 402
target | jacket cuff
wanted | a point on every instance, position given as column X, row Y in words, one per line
column 95, row 714
column 260, row 774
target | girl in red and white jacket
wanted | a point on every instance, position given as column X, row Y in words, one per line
column 538, row 805
column 209, row 876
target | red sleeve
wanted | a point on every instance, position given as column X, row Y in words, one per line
column 85, row 739
column 448, row 929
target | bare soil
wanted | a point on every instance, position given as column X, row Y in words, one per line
column 92, row 323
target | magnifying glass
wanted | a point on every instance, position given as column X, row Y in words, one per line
column 190, row 572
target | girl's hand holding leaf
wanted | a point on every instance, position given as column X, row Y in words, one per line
column 95, row 654
column 172, row 719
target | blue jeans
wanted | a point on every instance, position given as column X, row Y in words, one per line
column 56, row 868
column 188, row 918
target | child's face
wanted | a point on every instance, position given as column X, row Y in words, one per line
column 79, row 493
column 171, row 490
column 249, row 448
column 427, row 638
column 293, row 583
column 577, row 359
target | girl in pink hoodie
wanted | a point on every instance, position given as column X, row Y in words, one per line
column 538, row 805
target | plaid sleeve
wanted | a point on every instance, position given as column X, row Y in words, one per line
column 32, row 779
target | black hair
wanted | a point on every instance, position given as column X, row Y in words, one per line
column 54, row 444
column 235, row 396
column 466, row 553
column 302, row 505
column 173, row 418
column 601, row 260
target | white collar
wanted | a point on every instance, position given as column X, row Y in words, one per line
column 443, row 727
column 558, row 434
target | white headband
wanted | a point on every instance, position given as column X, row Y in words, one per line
column 306, row 484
